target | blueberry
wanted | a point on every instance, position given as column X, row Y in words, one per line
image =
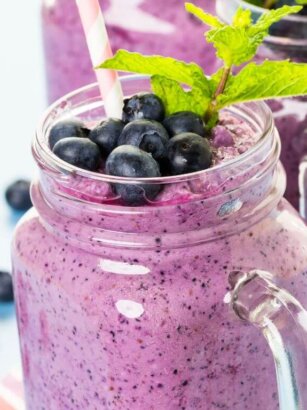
column 106, row 134
column 143, row 106
column 130, row 161
column 80, row 152
column 18, row 195
column 184, row 121
column 150, row 136
column 6, row 287
column 66, row 129
column 188, row 152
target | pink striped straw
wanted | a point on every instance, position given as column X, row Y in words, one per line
column 100, row 50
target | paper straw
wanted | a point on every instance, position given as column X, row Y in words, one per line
column 100, row 50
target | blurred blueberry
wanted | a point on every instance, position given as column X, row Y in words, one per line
column 18, row 195
column 6, row 287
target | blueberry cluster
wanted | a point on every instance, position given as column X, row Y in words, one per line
column 144, row 144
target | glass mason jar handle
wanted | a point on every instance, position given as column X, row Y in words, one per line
column 283, row 322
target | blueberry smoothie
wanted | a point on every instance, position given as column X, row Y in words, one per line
column 146, row 26
column 124, row 306
column 126, row 270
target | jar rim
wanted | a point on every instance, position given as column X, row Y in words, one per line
column 48, row 160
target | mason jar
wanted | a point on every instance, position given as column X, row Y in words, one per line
column 161, row 306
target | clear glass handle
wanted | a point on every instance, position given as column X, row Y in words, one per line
column 283, row 322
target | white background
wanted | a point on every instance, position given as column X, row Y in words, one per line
column 22, row 100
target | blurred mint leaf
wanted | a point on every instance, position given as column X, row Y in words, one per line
column 259, row 3
column 186, row 73
column 302, row 2
column 206, row 18
column 176, row 99
column 238, row 43
column 271, row 79
column 270, row 17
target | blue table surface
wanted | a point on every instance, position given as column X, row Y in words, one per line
column 22, row 96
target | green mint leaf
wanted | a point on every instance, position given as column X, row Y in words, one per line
column 270, row 17
column 206, row 18
column 242, row 18
column 176, row 99
column 302, row 2
column 271, row 79
column 233, row 44
column 190, row 74
column 238, row 43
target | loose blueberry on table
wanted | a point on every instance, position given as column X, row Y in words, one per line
column 6, row 287
column 17, row 195
column 176, row 128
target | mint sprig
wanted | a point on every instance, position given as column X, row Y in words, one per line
column 237, row 43
column 184, row 86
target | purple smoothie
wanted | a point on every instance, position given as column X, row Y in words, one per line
column 122, row 308
column 150, row 27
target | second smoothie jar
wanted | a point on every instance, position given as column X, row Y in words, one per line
column 287, row 40
column 146, row 26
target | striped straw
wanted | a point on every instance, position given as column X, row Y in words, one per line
column 100, row 50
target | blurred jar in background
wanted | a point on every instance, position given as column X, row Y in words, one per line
column 286, row 40
column 146, row 26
